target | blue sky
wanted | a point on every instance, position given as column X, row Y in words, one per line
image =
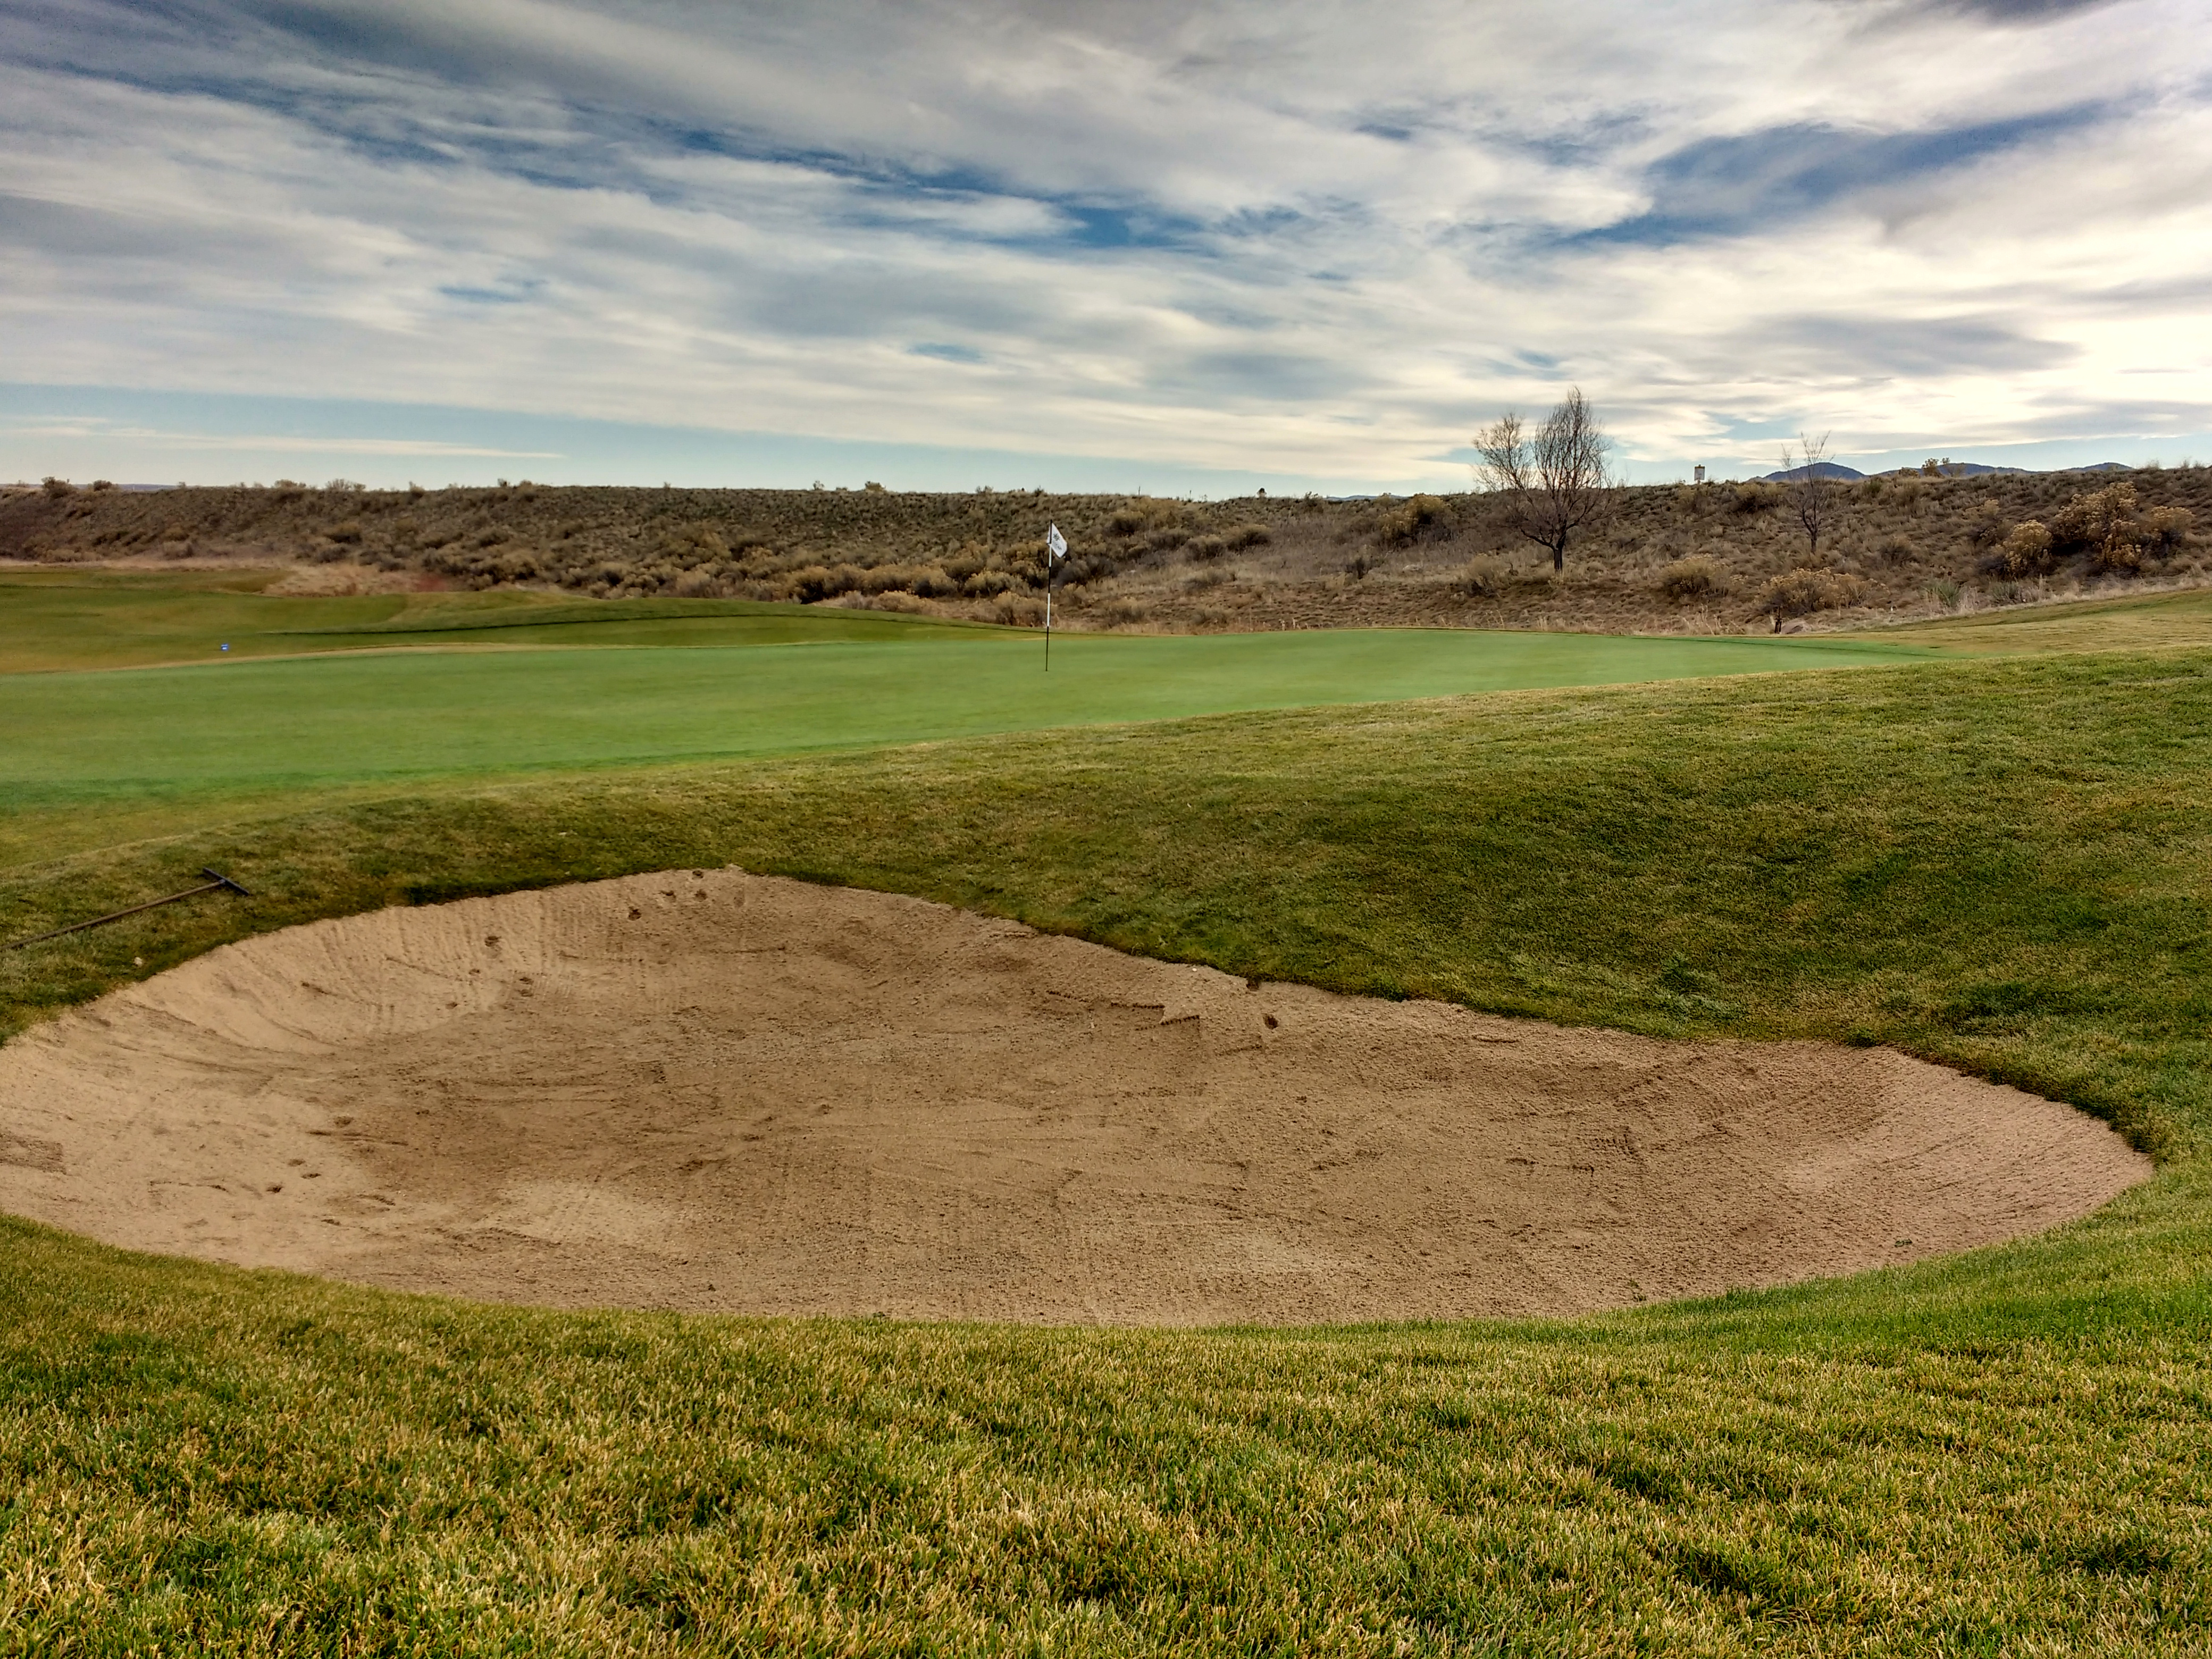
column 1184, row 249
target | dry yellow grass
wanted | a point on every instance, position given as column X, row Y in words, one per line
column 1893, row 550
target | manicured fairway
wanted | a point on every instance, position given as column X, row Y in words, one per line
column 226, row 730
column 53, row 620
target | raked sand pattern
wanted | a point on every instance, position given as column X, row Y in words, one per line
column 717, row 1091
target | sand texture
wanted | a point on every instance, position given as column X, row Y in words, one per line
column 720, row 1092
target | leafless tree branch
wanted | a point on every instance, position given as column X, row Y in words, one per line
column 1553, row 483
column 1809, row 490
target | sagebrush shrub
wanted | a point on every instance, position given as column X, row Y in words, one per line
column 809, row 585
column 2166, row 529
column 1987, row 527
column 2104, row 525
column 1425, row 517
column 1693, row 578
column 2026, row 551
column 1123, row 613
column 697, row 541
column 1800, row 592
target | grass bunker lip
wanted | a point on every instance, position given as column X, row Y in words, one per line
column 723, row 1092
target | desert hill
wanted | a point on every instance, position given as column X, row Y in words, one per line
column 1713, row 557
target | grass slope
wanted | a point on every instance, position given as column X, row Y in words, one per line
column 2002, row 864
column 95, row 756
column 56, row 620
column 2152, row 623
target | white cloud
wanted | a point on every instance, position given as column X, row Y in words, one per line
column 1325, row 241
column 85, row 430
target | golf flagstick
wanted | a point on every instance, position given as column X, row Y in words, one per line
column 1055, row 550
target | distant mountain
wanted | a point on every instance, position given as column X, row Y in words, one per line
column 1817, row 470
column 1946, row 467
column 1957, row 469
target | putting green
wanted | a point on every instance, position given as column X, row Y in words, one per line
column 301, row 723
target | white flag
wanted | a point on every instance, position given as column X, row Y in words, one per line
column 1055, row 544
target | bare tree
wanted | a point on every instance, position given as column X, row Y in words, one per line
column 1553, row 483
column 1808, row 490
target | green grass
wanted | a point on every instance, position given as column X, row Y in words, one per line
column 213, row 1461
column 75, row 618
column 79, row 617
column 101, row 756
column 2157, row 623
column 2006, row 865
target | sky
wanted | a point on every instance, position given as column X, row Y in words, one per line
column 1122, row 245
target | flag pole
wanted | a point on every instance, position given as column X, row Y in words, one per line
column 1055, row 550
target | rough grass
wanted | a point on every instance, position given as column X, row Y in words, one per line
column 2124, row 624
column 211, row 1462
column 2006, row 865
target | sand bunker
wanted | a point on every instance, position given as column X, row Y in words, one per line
column 714, row 1090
